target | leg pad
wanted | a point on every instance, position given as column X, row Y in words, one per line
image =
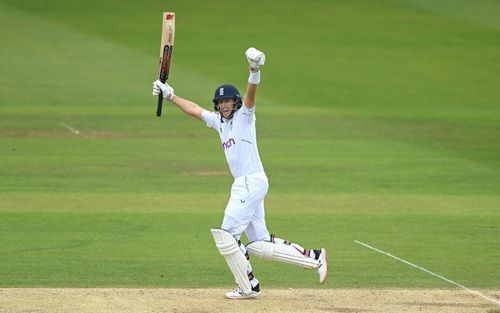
column 281, row 252
column 237, row 262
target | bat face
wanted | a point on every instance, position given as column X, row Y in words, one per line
column 167, row 45
column 165, row 63
column 166, row 49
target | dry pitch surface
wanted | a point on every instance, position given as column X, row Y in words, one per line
column 17, row 300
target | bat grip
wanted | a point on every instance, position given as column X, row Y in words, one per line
column 160, row 104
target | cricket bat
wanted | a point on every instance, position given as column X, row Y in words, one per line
column 166, row 49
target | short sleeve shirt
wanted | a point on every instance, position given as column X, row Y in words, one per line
column 238, row 139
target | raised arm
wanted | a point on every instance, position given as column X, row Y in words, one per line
column 186, row 106
column 255, row 59
column 249, row 100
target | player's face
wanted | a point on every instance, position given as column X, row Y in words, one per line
column 226, row 107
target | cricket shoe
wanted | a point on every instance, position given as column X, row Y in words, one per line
column 323, row 266
column 239, row 294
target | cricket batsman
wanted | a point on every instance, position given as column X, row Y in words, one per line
column 234, row 120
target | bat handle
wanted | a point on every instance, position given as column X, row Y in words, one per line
column 160, row 104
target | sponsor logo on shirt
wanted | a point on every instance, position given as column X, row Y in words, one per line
column 228, row 144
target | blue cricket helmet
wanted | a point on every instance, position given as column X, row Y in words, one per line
column 227, row 91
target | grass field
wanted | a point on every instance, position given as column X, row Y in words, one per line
column 378, row 121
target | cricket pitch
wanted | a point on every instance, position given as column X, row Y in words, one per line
column 124, row 300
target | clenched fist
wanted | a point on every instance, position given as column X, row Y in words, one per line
column 255, row 58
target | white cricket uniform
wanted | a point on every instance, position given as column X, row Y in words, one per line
column 245, row 209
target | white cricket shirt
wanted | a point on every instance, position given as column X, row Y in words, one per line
column 239, row 140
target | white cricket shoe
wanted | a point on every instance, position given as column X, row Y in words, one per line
column 323, row 266
column 238, row 294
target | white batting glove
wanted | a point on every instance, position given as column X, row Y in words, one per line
column 255, row 58
column 167, row 91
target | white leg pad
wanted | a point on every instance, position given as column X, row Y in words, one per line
column 237, row 262
column 281, row 252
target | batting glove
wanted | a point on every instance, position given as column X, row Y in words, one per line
column 255, row 59
column 165, row 89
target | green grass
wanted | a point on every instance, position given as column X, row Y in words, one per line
column 163, row 240
column 382, row 125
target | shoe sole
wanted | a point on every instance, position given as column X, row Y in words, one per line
column 244, row 298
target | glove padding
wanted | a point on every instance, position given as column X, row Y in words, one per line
column 255, row 58
column 167, row 91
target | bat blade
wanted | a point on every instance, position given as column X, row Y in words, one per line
column 166, row 49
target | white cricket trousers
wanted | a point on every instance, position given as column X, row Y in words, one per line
column 245, row 209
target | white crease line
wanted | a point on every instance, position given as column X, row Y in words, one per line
column 429, row 272
column 71, row 129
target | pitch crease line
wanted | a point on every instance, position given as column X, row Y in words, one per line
column 429, row 272
column 71, row 129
